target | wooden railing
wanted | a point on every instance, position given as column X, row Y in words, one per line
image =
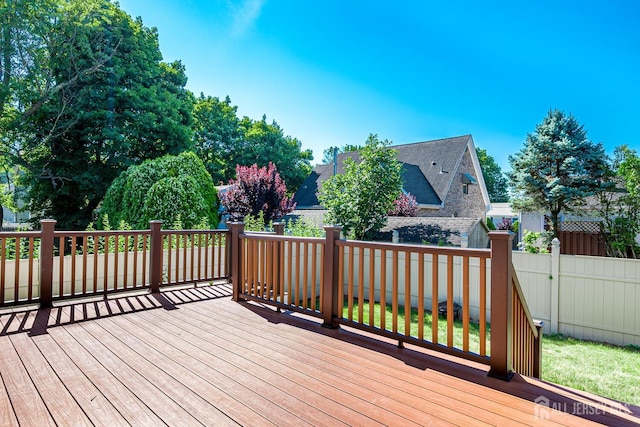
column 527, row 335
column 48, row 265
column 194, row 256
column 388, row 289
column 396, row 291
column 283, row 271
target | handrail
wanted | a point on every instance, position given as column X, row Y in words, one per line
column 59, row 264
column 427, row 249
column 518, row 288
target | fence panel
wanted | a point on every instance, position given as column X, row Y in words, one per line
column 594, row 298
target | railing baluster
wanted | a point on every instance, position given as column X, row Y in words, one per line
column 31, row 246
column 289, row 272
column 450, row 312
column 421, row 296
column 435, row 269
column 126, row 261
column 394, row 292
column 483, row 307
column 16, row 276
column 3, row 258
column 372, row 288
column 383, row 289
column 305, row 275
column 73, row 265
column 361, row 285
column 84, row 263
column 314, row 272
column 407, row 293
column 116, row 248
column 350, row 284
column 465, row 303
column 61, row 251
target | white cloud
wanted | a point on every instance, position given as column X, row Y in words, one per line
column 245, row 14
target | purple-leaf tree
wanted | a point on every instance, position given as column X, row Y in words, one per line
column 404, row 205
column 257, row 189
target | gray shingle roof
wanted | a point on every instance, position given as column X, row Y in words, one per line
column 429, row 168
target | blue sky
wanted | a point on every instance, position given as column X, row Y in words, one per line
column 330, row 72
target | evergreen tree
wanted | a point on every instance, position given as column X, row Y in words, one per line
column 557, row 169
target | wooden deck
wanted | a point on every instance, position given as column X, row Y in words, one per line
column 194, row 357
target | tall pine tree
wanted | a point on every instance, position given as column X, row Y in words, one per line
column 557, row 169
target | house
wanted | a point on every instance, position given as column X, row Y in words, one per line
column 443, row 175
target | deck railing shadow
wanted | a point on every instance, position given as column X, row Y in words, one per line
column 558, row 398
column 36, row 320
column 381, row 287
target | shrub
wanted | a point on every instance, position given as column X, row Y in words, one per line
column 404, row 205
column 169, row 188
column 257, row 190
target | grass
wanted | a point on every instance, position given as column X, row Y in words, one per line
column 474, row 328
column 597, row 368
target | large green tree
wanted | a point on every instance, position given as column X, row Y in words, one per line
column 360, row 198
column 494, row 179
column 223, row 141
column 130, row 107
column 169, row 188
column 217, row 136
column 557, row 169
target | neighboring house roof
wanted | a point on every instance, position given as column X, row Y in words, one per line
column 429, row 171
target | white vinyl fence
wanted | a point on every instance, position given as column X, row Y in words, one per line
column 592, row 298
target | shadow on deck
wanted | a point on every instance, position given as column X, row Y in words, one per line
column 191, row 356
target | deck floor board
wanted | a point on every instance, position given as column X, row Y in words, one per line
column 192, row 356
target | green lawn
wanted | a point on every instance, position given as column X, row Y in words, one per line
column 602, row 369
column 474, row 330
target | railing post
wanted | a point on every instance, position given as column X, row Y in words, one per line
column 555, row 285
column 47, row 227
column 155, row 258
column 237, row 228
column 278, row 228
column 537, row 350
column 331, row 283
column 501, row 305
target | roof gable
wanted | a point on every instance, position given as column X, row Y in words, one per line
column 429, row 170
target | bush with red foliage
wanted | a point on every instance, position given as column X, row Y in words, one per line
column 404, row 205
column 254, row 190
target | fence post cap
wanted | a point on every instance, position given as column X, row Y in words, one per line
column 335, row 226
column 501, row 235
column 555, row 242
column 47, row 221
